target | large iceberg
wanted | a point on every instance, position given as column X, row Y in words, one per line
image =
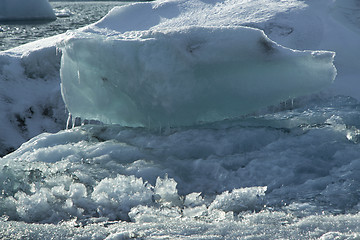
column 150, row 72
column 14, row 10
column 294, row 24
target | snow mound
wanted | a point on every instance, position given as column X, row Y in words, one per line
column 149, row 73
column 30, row 99
column 14, row 10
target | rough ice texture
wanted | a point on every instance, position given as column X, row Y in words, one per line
column 144, row 72
column 30, row 99
column 289, row 173
column 14, row 10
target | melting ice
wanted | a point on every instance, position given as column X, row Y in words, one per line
column 157, row 75
column 184, row 76
column 288, row 171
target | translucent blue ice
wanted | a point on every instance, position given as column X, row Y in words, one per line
column 184, row 76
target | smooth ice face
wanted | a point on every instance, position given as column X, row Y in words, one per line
column 11, row 10
column 184, row 76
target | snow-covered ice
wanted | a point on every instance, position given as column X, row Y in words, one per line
column 15, row 10
column 172, row 65
column 289, row 171
column 30, row 99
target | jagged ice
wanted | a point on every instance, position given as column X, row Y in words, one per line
column 289, row 171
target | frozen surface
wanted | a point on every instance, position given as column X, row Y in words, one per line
column 14, row 10
column 287, row 172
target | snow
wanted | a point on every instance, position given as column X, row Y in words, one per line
column 290, row 171
column 146, row 72
column 30, row 99
column 15, row 10
column 327, row 25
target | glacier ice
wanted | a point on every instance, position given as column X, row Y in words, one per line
column 14, row 10
column 294, row 24
column 184, row 76
column 287, row 173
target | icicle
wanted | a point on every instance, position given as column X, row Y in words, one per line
column 57, row 51
column 68, row 121
column 78, row 74
column 76, row 121
column 168, row 128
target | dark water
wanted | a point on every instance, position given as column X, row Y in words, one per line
column 71, row 15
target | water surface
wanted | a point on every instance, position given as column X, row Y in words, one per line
column 71, row 15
